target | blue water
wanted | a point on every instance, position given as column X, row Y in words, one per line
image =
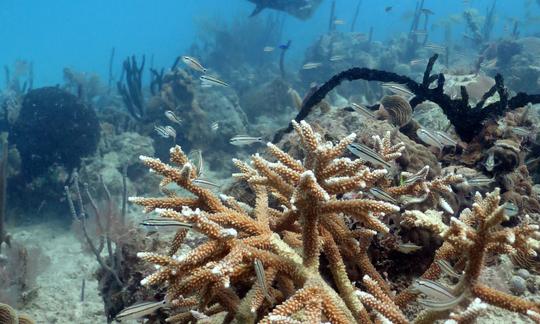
column 80, row 34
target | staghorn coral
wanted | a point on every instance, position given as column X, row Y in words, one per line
column 288, row 241
column 299, row 262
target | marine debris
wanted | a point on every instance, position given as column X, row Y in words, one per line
column 467, row 120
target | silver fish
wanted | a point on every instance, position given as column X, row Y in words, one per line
column 215, row 126
column 521, row 131
column 139, row 310
column 408, row 248
column 164, row 222
column 268, row 49
column 240, row 140
column 510, row 209
column 445, row 206
column 339, row 22
column 337, row 58
column 172, row 117
column 398, row 89
column 445, row 139
column 311, row 65
column 365, row 153
column 171, row 131
column 447, row 268
column 206, row 183
column 480, row 181
column 196, row 157
column 380, row 194
column 441, row 305
column 208, row 80
column 418, row 176
column 490, row 162
column 363, row 111
column 164, row 131
column 433, row 289
column 435, row 48
column 418, row 62
column 261, row 279
column 193, row 63
column 429, row 138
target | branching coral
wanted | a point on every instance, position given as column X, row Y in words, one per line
column 298, row 262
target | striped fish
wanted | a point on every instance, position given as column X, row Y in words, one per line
column 380, row 194
column 447, row 268
column 435, row 48
column 408, row 248
column 445, row 139
column 261, row 279
column 433, row 289
column 206, row 183
column 398, row 89
column 164, row 222
column 363, row 111
column 365, row 153
column 208, row 80
column 441, row 305
column 429, row 138
column 193, row 63
column 480, row 181
column 511, row 209
column 240, row 140
column 418, row 176
column 165, row 131
column 139, row 310
column 172, row 117
column 195, row 156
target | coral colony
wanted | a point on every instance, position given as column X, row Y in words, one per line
column 295, row 257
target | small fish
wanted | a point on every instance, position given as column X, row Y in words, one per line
column 360, row 36
column 435, row 48
column 480, row 181
column 445, row 206
column 206, row 183
column 511, row 209
column 311, row 65
column 418, row 176
column 196, row 157
column 433, row 289
column 363, row 111
column 420, row 32
column 215, row 126
column 520, row 131
column 261, row 279
column 490, row 162
column 164, row 222
column 139, row 310
column 426, row 11
column 212, row 81
column 380, row 194
column 418, row 62
column 268, row 49
column 171, row 131
column 240, row 140
column 172, row 117
column 441, row 305
column 408, row 248
column 337, row 58
column 165, row 131
column 339, row 22
column 193, row 63
column 388, row 9
column 489, row 64
column 398, row 89
column 365, row 153
column 429, row 138
column 447, row 268
column 445, row 139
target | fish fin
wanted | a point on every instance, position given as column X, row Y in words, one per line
column 257, row 10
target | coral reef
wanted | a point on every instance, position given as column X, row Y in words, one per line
column 8, row 315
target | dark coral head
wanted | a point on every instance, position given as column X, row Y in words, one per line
column 54, row 127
